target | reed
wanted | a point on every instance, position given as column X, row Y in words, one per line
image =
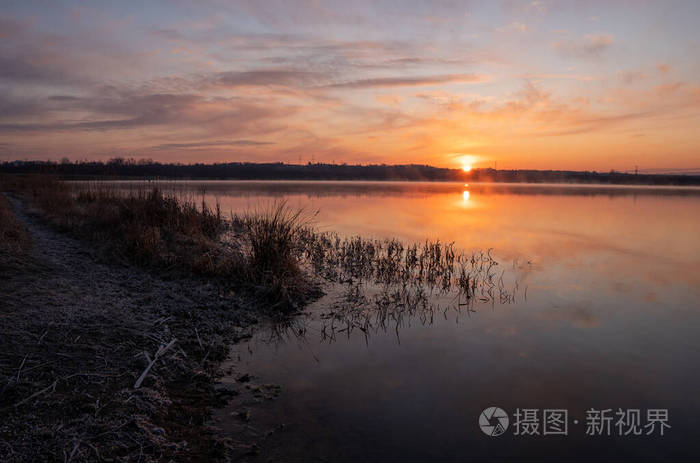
column 145, row 225
column 272, row 240
column 432, row 264
column 385, row 284
column 273, row 251
column 13, row 236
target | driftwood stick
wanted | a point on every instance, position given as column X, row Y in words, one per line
column 161, row 350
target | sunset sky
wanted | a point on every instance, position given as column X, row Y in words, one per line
column 595, row 85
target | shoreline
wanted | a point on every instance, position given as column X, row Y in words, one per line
column 150, row 297
column 78, row 334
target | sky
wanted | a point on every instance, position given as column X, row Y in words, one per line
column 582, row 85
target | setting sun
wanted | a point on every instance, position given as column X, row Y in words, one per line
column 466, row 167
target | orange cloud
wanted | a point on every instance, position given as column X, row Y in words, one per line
column 410, row 81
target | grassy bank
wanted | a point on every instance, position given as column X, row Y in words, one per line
column 255, row 252
column 270, row 254
column 110, row 344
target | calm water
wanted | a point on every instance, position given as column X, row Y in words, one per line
column 610, row 319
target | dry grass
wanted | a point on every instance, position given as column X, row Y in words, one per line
column 270, row 251
column 151, row 228
column 434, row 266
column 13, row 237
column 146, row 227
column 272, row 238
column 257, row 251
column 77, row 337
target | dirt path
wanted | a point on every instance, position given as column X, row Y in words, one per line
column 75, row 334
column 64, row 273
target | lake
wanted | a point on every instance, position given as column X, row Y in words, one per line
column 605, row 325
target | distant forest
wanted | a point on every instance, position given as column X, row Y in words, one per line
column 119, row 168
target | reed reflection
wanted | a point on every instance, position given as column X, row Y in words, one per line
column 383, row 285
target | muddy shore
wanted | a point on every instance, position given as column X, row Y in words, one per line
column 76, row 336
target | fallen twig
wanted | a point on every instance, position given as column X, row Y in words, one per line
column 161, row 350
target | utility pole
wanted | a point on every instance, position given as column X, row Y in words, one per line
column 636, row 170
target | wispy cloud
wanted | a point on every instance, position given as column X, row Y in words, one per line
column 410, row 81
column 211, row 144
column 591, row 46
column 123, row 110
column 286, row 77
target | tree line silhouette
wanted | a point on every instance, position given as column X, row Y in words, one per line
column 120, row 168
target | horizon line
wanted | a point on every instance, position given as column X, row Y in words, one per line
column 148, row 161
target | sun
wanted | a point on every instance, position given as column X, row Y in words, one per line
column 465, row 161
